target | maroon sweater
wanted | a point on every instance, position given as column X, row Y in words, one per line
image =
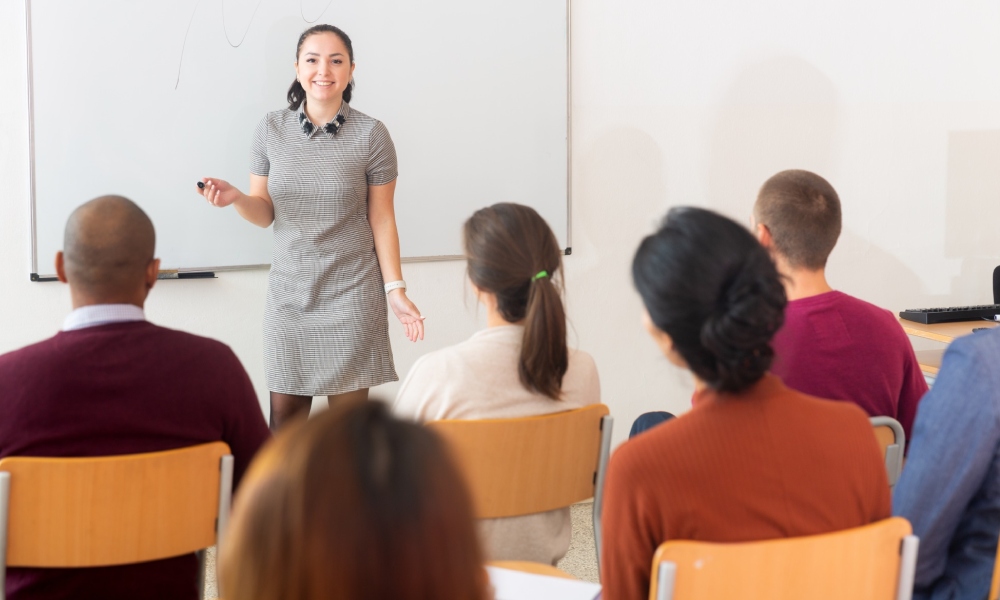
column 123, row 388
column 839, row 347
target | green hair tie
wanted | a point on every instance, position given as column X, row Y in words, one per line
column 539, row 275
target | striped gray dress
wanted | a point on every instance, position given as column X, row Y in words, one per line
column 325, row 321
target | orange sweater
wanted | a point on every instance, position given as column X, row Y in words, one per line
column 767, row 463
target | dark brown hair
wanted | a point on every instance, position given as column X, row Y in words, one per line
column 509, row 247
column 353, row 503
column 802, row 212
column 714, row 290
column 296, row 94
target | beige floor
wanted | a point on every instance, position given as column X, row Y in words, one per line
column 580, row 561
column 211, row 589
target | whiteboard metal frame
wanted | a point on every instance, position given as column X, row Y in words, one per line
column 35, row 276
column 31, row 138
column 569, row 127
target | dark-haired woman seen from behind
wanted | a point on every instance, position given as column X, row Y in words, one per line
column 752, row 459
column 519, row 366
column 353, row 504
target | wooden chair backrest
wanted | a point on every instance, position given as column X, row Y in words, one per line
column 861, row 564
column 527, row 465
column 892, row 441
column 112, row 510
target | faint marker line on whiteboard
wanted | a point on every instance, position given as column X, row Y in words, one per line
column 302, row 11
column 184, row 45
column 187, row 31
column 248, row 24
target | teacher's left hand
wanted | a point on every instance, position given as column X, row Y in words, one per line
column 407, row 314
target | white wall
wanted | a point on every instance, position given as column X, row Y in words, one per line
column 693, row 104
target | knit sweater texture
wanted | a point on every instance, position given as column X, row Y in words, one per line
column 123, row 388
column 766, row 463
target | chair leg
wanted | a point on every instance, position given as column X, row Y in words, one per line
column 4, row 512
column 907, row 567
column 226, row 466
column 596, row 518
column 607, row 423
column 201, row 573
column 666, row 574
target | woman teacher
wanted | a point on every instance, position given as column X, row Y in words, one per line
column 325, row 175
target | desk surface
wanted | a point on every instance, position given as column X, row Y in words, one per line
column 530, row 567
column 944, row 332
column 930, row 361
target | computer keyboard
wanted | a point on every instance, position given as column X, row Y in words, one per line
column 930, row 316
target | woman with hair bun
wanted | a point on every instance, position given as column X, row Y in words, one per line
column 519, row 366
column 752, row 459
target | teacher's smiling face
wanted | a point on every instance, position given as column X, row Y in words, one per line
column 324, row 68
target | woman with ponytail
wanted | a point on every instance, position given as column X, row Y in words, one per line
column 325, row 175
column 519, row 366
column 752, row 459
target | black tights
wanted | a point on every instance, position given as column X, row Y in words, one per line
column 286, row 407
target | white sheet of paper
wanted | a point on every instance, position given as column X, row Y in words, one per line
column 516, row 585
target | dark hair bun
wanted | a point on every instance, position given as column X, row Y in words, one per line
column 739, row 333
column 715, row 291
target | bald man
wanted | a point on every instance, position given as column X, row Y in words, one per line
column 112, row 383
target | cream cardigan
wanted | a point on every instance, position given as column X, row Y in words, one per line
column 478, row 379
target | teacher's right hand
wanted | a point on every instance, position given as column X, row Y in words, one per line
column 218, row 192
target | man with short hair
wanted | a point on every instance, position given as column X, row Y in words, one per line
column 832, row 345
column 112, row 383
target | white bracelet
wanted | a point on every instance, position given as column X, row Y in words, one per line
column 395, row 285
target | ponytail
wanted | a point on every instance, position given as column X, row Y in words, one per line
column 544, row 357
column 504, row 245
column 296, row 94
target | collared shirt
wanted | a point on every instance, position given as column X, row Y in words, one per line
column 309, row 128
column 102, row 314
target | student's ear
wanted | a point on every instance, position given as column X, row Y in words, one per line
column 663, row 340
column 61, row 267
column 152, row 273
column 483, row 297
column 764, row 236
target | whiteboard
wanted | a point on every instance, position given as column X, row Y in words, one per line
column 143, row 99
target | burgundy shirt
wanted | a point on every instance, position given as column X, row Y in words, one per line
column 123, row 388
column 839, row 347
